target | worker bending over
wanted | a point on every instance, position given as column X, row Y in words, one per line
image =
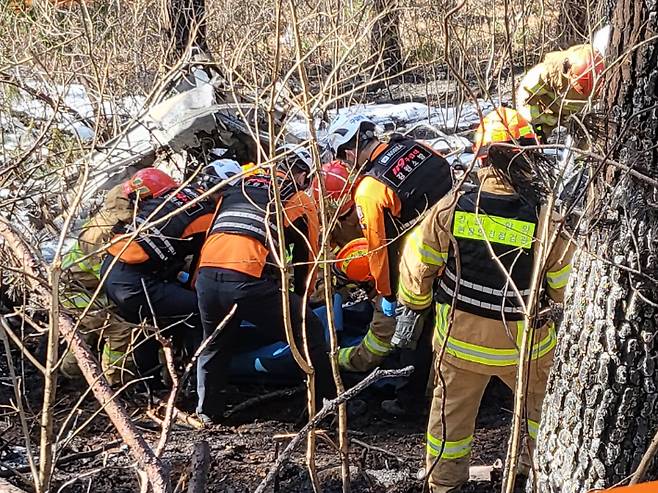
column 238, row 268
column 402, row 179
column 558, row 87
column 142, row 272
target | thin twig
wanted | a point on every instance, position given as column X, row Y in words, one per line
column 328, row 407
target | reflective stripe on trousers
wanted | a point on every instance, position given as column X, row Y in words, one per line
column 482, row 354
column 449, row 450
column 375, row 345
column 111, row 356
column 559, row 278
column 533, row 428
column 344, row 357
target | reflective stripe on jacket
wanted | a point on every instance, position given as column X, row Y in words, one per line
column 476, row 343
column 169, row 241
column 404, row 180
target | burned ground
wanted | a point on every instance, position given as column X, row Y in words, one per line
column 386, row 452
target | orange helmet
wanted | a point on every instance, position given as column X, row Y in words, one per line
column 353, row 261
column 337, row 186
column 584, row 66
column 503, row 125
column 148, row 182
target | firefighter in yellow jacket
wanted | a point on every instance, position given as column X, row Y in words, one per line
column 494, row 227
column 558, row 87
column 401, row 180
column 81, row 267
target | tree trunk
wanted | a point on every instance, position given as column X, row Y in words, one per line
column 188, row 25
column 385, row 39
column 601, row 410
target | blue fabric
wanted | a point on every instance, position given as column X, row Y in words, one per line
column 388, row 307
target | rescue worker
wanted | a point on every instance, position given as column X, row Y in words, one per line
column 481, row 332
column 142, row 273
column 81, row 267
column 558, row 87
column 401, row 180
column 237, row 267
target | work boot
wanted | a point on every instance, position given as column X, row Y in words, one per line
column 420, row 475
column 208, row 421
column 394, row 407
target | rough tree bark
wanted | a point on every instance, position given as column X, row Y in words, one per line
column 601, row 409
column 385, row 39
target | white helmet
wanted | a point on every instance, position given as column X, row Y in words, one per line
column 346, row 126
column 220, row 170
column 295, row 155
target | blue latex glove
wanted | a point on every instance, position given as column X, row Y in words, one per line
column 388, row 307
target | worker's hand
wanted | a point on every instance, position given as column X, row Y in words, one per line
column 388, row 307
column 408, row 328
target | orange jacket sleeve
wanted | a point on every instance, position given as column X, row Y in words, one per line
column 373, row 199
column 301, row 211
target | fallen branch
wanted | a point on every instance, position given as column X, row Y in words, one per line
column 199, row 468
column 328, row 408
column 155, row 470
column 181, row 416
column 261, row 399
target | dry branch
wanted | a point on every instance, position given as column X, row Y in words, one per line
column 155, row 470
column 328, row 408
column 262, row 399
column 199, row 468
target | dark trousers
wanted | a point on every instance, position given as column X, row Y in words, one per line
column 258, row 301
column 175, row 307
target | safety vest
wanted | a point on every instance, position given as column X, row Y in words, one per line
column 164, row 242
column 417, row 175
column 249, row 210
column 483, row 222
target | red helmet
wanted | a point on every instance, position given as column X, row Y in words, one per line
column 148, row 182
column 337, row 186
column 353, row 261
column 584, row 65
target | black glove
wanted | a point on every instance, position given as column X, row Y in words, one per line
column 408, row 327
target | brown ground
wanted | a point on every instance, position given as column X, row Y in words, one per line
column 243, row 450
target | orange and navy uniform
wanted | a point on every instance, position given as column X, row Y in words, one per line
column 403, row 179
column 160, row 245
column 243, row 233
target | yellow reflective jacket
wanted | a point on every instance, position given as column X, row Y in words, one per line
column 545, row 96
column 474, row 343
column 82, row 262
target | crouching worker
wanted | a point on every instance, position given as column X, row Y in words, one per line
column 142, row 272
column 482, row 290
column 401, row 180
column 236, row 269
column 81, row 266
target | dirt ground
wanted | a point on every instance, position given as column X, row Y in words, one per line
column 386, row 452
